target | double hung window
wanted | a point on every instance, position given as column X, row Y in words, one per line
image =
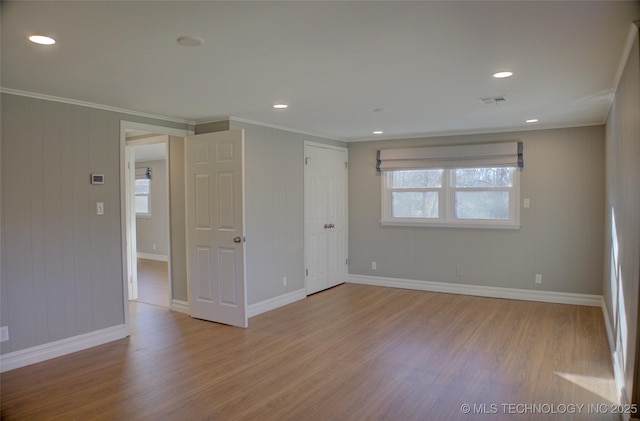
column 143, row 192
column 456, row 190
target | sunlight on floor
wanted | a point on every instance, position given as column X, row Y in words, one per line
column 603, row 387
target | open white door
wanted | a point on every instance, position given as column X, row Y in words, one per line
column 132, row 257
column 215, row 227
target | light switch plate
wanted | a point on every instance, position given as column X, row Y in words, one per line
column 100, row 208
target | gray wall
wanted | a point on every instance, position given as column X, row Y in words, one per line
column 622, row 268
column 61, row 272
column 179, row 290
column 560, row 237
column 154, row 229
column 274, row 200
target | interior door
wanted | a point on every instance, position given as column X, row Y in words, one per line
column 325, row 217
column 132, row 253
column 215, row 227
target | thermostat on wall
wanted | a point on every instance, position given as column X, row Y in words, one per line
column 97, row 178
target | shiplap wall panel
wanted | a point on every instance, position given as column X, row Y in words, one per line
column 16, row 202
column 622, row 245
column 61, row 263
column 67, row 178
column 51, row 204
column 80, row 192
column 177, row 215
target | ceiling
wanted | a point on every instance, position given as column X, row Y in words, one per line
column 422, row 65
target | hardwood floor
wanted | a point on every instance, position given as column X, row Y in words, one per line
column 353, row 352
column 153, row 282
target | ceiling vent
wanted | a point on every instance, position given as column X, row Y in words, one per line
column 497, row 100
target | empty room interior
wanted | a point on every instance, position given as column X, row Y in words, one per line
column 320, row 210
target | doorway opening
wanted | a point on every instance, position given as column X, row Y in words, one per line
column 150, row 227
column 145, row 215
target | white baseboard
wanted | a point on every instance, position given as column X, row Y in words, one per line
column 65, row 346
column 481, row 291
column 180, row 306
column 149, row 256
column 275, row 302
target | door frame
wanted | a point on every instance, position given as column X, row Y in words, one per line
column 124, row 220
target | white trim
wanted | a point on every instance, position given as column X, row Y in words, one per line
column 156, row 257
column 326, row 146
column 608, row 326
column 276, row 302
column 480, row 290
column 273, row 126
column 180, row 306
column 62, row 347
column 94, row 105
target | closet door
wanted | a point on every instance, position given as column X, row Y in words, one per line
column 326, row 219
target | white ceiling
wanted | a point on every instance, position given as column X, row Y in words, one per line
column 425, row 63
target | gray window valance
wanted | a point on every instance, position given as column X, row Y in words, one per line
column 142, row 173
column 499, row 154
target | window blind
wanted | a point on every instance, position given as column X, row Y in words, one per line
column 142, row 173
column 499, row 154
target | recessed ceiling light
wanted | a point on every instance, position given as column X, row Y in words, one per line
column 532, row 120
column 189, row 41
column 280, row 106
column 502, row 75
column 42, row 40
column 378, row 132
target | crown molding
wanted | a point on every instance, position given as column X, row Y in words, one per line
column 272, row 126
column 94, row 105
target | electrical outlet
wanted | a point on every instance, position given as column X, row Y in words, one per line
column 374, row 266
column 538, row 278
column 459, row 271
column 4, row 333
column 284, row 281
column 153, row 246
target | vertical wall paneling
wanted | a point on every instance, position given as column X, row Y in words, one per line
column 177, row 215
column 621, row 283
column 61, row 263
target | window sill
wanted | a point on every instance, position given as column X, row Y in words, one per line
column 475, row 225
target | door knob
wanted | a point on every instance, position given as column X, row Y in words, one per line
column 237, row 240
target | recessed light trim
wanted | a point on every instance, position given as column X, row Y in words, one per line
column 502, row 75
column 42, row 40
column 532, row 120
column 189, row 41
column 280, row 106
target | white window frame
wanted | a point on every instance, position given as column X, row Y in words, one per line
column 446, row 204
column 148, row 196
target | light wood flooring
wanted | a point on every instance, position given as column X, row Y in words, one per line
column 153, row 282
column 353, row 352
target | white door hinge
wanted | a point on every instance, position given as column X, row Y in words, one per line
column 306, row 160
column 346, row 165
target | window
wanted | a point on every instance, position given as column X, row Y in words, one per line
column 481, row 197
column 143, row 192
